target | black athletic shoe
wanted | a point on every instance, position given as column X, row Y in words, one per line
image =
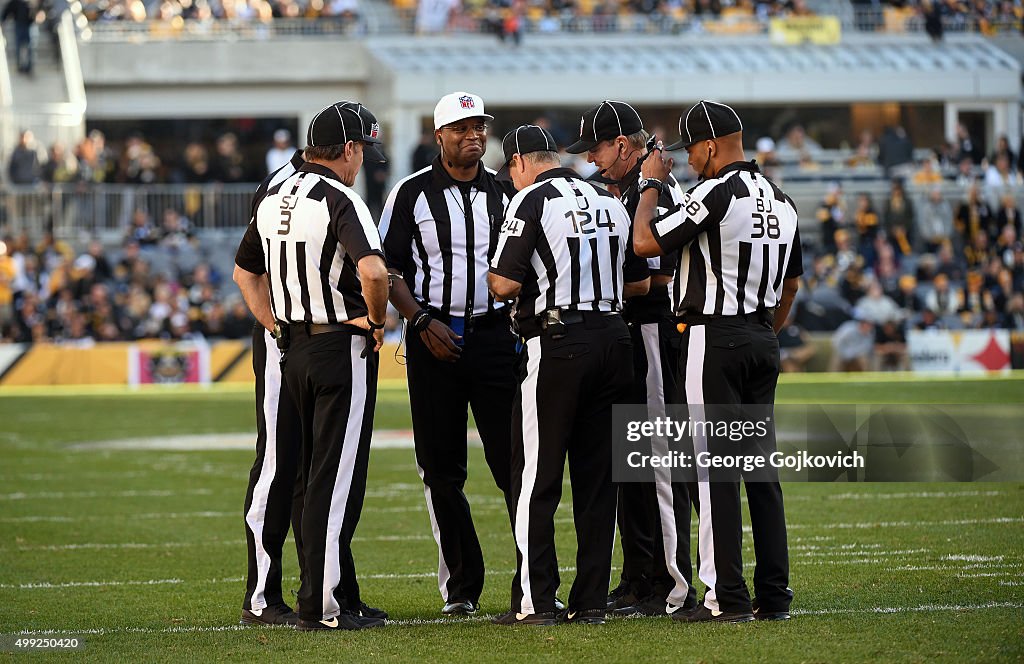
column 511, row 617
column 617, row 592
column 769, row 614
column 689, row 605
column 625, row 604
column 371, row 612
column 343, row 621
column 462, row 607
column 584, row 617
column 704, row 614
column 279, row 614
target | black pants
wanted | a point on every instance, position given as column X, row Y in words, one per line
column 654, row 518
column 564, row 407
column 440, row 395
column 735, row 361
column 335, row 391
column 274, row 496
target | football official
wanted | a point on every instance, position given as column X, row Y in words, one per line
column 440, row 226
column 653, row 518
column 274, row 495
column 740, row 260
column 564, row 255
column 314, row 239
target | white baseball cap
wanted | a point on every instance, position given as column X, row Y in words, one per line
column 458, row 106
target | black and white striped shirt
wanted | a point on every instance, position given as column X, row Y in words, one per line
column 439, row 233
column 738, row 239
column 568, row 243
column 656, row 304
column 307, row 233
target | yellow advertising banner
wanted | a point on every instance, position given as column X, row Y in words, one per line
column 805, row 29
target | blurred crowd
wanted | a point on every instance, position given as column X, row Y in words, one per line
column 135, row 161
column 199, row 11
column 50, row 292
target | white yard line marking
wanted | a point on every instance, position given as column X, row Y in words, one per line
column 417, row 622
column 149, row 493
column 913, row 494
column 175, row 545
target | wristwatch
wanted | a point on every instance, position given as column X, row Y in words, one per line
column 650, row 183
column 374, row 326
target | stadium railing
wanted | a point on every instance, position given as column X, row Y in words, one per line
column 105, row 211
column 74, row 211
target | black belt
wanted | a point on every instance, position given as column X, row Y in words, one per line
column 492, row 317
column 760, row 317
column 534, row 326
column 312, row 329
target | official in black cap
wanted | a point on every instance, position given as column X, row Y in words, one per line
column 654, row 517
column 738, row 274
column 312, row 240
column 563, row 254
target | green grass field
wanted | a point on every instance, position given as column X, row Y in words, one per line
column 142, row 552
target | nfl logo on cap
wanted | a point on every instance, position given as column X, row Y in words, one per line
column 466, row 101
column 374, row 130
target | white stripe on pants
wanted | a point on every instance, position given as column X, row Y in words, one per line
column 443, row 573
column 343, row 480
column 531, row 442
column 256, row 517
column 694, row 388
column 663, row 476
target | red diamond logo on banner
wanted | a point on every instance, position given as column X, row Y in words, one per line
column 993, row 357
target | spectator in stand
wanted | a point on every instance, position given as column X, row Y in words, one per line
column 767, row 158
column 796, row 144
column 928, row 172
column 176, row 230
column 424, row 152
column 1007, row 215
column 976, row 300
column 943, row 299
column 865, row 155
column 281, row 152
column 795, row 346
column 895, row 151
column 1014, row 316
column 899, row 218
column 865, row 219
column 852, row 344
column 890, row 352
column 934, row 221
column 906, row 297
column 141, row 229
column 61, row 167
column 196, row 164
column 979, row 251
column 23, row 167
column 832, row 215
column 876, row 306
column 139, row 163
column 931, row 10
column 22, row 14
column 238, row 323
column 1003, row 149
column 949, row 263
column 846, row 254
column 972, row 216
column 999, row 176
column 853, row 285
column 228, row 163
column 965, row 173
column 967, row 146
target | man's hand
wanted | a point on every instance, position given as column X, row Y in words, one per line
column 440, row 340
column 655, row 165
column 378, row 334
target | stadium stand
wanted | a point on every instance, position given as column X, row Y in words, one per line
column 132, row 237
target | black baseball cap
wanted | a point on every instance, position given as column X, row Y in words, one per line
column 524, row 140
column 346, row 121
column 706, row 120
column 604, row 122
